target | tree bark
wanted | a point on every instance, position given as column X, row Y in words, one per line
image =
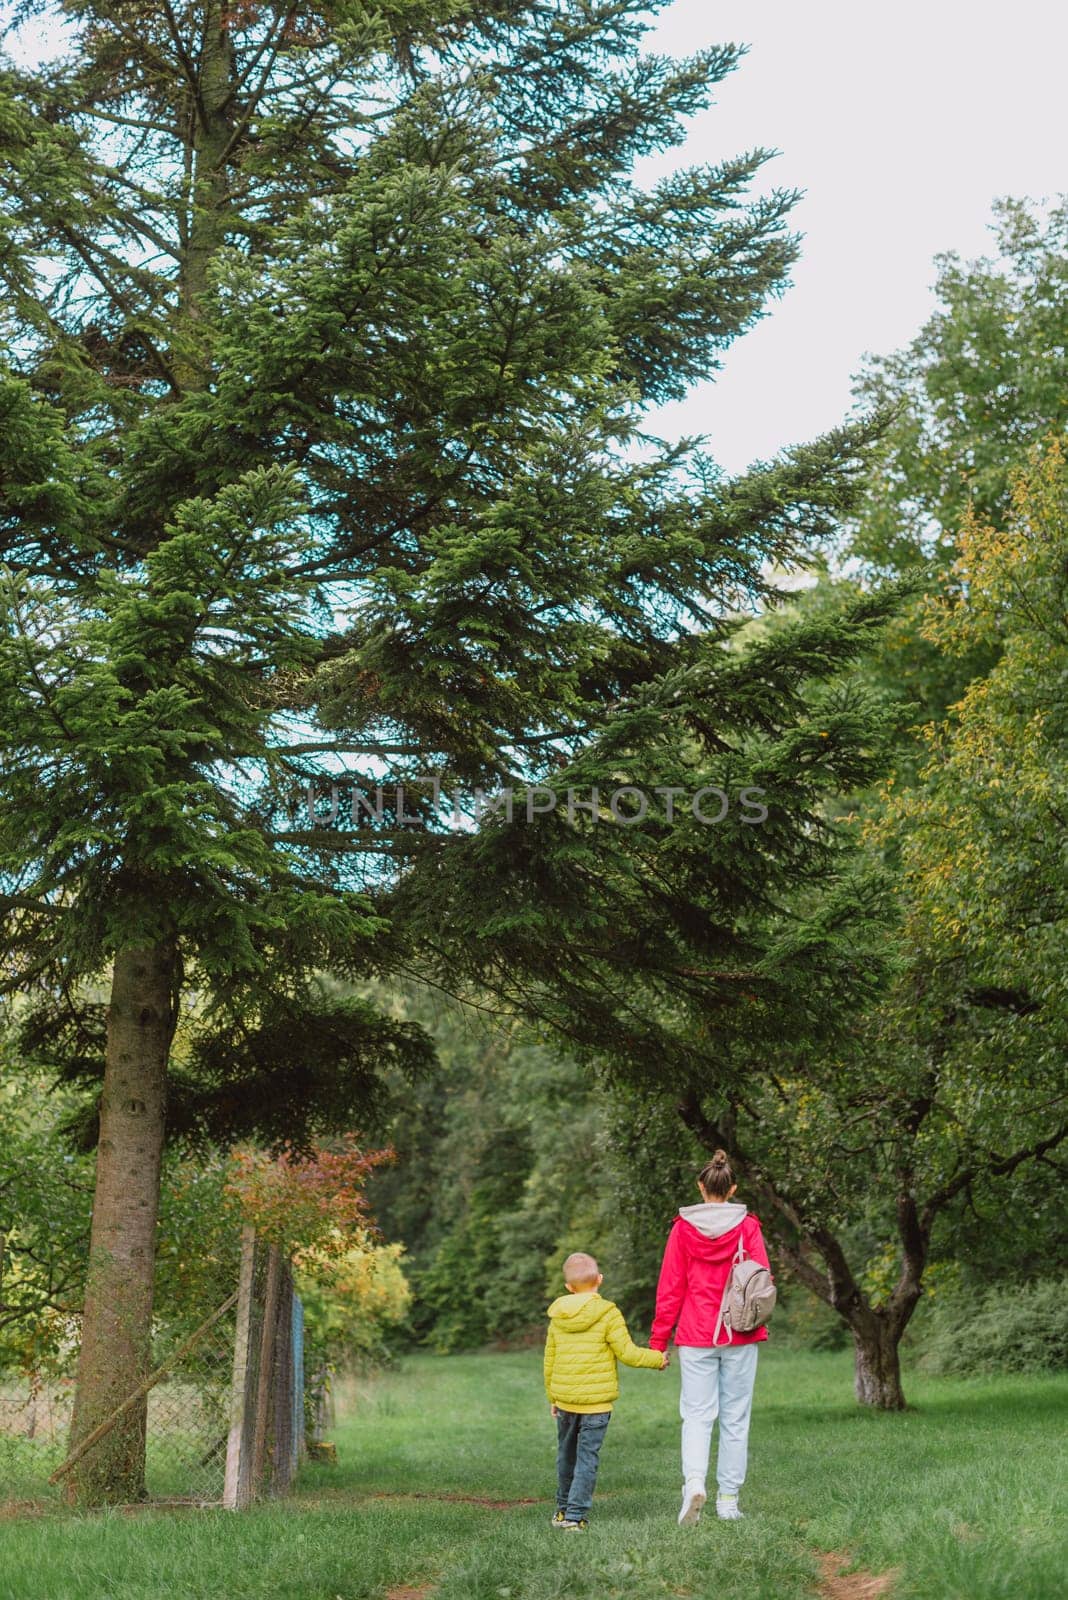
column 265, row 1378
column 117, row 1319
column 211, row 133
column 877, row 1368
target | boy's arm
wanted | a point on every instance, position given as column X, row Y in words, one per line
column 623, row 1347
column 550, row 1357
column 670, row 1290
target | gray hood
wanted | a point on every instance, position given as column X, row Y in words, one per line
column 713, row 1219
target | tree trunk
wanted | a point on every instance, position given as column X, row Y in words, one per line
column 117, row 1319
column 212, row 132
column 877, row 1371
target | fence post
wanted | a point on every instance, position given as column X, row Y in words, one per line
column 265, row 1375
column 235, row 1493
column 321, row 1401
column 282, row 1460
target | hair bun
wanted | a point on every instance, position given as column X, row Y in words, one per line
column 716, row 1177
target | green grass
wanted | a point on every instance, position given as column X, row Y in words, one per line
column 174, row 1469
column 961, row 1494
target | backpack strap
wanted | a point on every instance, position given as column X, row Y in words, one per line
column 721, row 1320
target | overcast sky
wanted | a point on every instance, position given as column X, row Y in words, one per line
column 902, row 123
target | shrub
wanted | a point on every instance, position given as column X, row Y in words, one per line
column 1012, row 1327
column 352, row 1300
column 802, row 1322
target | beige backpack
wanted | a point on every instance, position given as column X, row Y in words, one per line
column 748, row 1298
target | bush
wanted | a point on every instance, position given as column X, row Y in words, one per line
column 1014, row 1327
column 352, row 1300
column 801, row 1322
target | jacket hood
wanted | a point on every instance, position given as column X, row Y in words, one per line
column 714, row 1219
column 574, row 1313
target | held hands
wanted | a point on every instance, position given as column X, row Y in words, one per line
column 666, row 1361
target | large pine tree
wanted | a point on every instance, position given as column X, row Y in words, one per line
column 330, row 330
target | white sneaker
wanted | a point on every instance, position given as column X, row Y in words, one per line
column 727, row 1508
column 693, row 1500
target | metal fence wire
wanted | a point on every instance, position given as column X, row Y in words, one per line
column 225, row 1423
column 34, row 1419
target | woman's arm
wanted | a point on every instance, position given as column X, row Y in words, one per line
column 670, row 1290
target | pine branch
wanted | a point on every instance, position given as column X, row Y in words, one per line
column 185, row 61
column 271, row 42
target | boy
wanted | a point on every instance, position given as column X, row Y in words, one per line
column 586, row 1337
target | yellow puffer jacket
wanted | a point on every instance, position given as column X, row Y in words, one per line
column 587, row 1336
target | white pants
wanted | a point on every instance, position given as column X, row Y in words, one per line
column 716, row 1383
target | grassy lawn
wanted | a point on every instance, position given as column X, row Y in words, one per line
column 961, row 1495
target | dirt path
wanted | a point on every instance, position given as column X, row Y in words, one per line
column 838, row 1585
column 461, row 1499
column 328, row 1496
column 834, row 1584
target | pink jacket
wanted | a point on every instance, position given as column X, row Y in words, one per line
column 693, row 1275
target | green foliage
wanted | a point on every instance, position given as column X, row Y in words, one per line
column 198, row 1244
column 878, row 1129
column 508, row 1160
column 46, row 1191
column 959, row 1069
column 464, row 1153
column 486, row 1279
column 803, row 1322
column 664, row 945
column 979, row 386
column 45, row 1200
column 351, row 1305
column 344, row 471
column 983, row 382
column 327, row 459
column 356, row 1290
column 648, row 1170
column 980, row 841
column 1017, row 1326
column 329, row 339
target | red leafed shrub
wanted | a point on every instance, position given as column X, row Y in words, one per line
column 307, row 1203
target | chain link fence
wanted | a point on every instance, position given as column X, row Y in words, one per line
column 226, row 1405
column 34, row 1419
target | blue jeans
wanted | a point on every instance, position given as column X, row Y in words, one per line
column 716, row 1383
column 580, row 1436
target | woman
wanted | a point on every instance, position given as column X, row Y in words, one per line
column 718, row 1366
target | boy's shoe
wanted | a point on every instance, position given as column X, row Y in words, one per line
column 693, row 1500
column 581, row 1526
column 559, row 1518
column 727, row 1508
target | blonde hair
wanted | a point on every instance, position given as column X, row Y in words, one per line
column 580, row 1269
